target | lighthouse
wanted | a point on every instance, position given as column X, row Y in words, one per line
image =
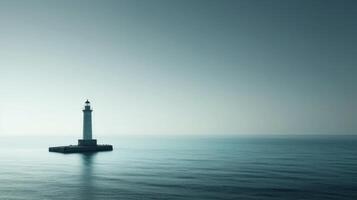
column 87, row 143
column 87, row 139
column 87, row 121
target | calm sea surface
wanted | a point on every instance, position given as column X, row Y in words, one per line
column 284, row 168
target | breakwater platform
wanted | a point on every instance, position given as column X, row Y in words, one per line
column 80, row 148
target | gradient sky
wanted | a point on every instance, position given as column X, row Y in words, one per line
column 178, row 67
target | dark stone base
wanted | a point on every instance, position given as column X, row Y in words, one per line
column 87, row 142
column 80, row 149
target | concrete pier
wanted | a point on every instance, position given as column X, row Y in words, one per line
column 81, row 149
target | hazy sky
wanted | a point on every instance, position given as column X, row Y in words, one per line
column 178, row 67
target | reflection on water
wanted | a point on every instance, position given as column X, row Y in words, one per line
column 86, row 177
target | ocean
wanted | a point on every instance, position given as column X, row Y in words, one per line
column 266, row 167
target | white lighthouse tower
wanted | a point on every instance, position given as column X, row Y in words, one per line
column 87, row 126
column 87, row 121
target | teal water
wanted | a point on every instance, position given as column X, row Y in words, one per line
column 314, row 167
